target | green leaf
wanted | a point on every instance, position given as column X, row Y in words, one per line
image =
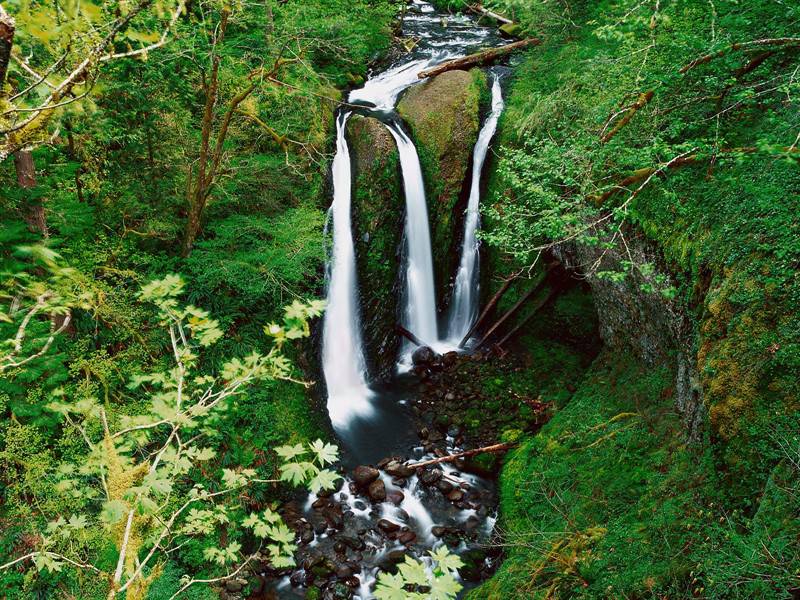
column 391, row 587
column 290, row 452
column 326, row 453
column 324, row 480
column 414, row 572
column 444, row 587
column 294, row 473
column 446, row 560
column 113, row 511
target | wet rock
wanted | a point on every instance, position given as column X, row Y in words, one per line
column 364, row 475
column 438, row 530
column 408, row 537
column 430, row 476
column 444, row 486
column 457, row 495
column 398, row 469
column 443, row 114
column 377, row 207
column 235, row 585
column 396, row 497
column 424, row 356
column 297, row 578
column 388, row 526
column 377, row 490
column 343, row 571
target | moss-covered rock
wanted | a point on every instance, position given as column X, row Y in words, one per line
column 378, row 209
column 444, row 116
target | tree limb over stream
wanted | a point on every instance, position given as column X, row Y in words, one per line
column 479, row 58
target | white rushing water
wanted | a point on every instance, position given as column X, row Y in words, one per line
column 420, row 294
column 464, row 305
column 342, row 349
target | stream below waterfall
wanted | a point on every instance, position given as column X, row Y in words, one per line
column 384, row 509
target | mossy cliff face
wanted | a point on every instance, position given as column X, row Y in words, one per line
column 444, row 117
column 378, row 209
column 633, row 319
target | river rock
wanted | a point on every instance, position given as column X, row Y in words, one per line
column 396, row 497
column 430, row 476
column 364, row 475
column 444, row 116
column 377, row 490
column 377, row 209
column 388, row 526
column 423, row 356
column 407, row 537
column 398, row 469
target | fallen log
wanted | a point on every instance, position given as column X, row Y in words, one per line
column 477, row 8
column 550, row 295
column 511, row 312
column 489, row 307
column 408, row 335
column 478, row 59
column 457, row 455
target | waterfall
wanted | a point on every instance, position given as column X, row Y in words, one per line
column 464, row 305
column 420, row 295
column 342, row 349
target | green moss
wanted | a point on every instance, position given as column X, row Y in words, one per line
column 378, row 209
column 443, row 114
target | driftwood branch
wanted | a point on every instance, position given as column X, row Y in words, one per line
column 648, row 172
column 457, row 455
column 478, row 59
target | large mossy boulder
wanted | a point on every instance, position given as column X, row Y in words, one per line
column 378, row 209
column 444, row 117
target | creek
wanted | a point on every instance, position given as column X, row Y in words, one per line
column 384, row 509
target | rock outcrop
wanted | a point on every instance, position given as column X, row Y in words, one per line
column 632, row 317
column 378, row 209
column 444, row 117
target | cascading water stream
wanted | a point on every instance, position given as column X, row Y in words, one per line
column 420, row 294
column 342, row 349
column 375, row 423
column 464, row 305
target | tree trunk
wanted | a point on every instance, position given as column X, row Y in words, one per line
column 26, row 178
column 192, row 230
column 7, row 26
column 479, row 59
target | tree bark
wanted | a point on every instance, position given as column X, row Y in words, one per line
column 479, row 59
column 7, row 27
column 34, row 214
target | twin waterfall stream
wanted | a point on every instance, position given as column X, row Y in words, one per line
column 366, row 417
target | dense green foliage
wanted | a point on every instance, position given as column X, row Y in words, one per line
column 665, row 124
column 112, row 185
column 643, row 123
